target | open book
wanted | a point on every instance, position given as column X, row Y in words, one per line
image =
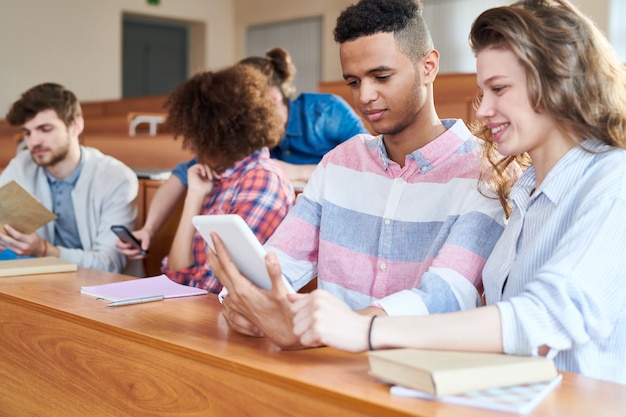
column 440, row 373
column 22, row 211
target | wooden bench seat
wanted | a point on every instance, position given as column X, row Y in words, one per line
column 454, row 95
column 160, row 151
column 120, row 124
column 151, row 104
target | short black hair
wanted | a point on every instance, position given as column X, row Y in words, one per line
column 403, row 18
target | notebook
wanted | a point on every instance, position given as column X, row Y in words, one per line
column 142, row 288
column 520, row 399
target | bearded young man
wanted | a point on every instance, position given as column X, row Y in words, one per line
column 87, row 190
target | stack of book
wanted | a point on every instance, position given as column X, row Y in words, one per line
column 497, row 381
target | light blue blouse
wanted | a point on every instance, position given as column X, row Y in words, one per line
column 558, row 272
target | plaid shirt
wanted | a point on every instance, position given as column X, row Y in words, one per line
column 254, row 188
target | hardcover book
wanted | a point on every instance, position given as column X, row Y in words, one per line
column 29, row 266
column 440, row 373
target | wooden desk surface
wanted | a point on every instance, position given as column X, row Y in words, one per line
column 67, row 354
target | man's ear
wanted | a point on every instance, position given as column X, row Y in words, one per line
column 430, row 66
column 77, row 125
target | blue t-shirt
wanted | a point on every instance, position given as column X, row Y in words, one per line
column 317, row 123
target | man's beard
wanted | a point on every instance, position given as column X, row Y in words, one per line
column 55, row 158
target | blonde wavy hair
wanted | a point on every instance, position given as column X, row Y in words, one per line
column 573, row 74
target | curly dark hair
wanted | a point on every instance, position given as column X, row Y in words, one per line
column 403, row 18
column 42, row 97
column 224, row 116
column 279, row 69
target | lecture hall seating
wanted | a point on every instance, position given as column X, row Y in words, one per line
column 107, row 125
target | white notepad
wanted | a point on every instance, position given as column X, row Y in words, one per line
column 520, row 399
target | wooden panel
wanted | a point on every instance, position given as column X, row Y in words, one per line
column 57, row 367
column 153, row 104
column 106, row 124
column 454, row 95
column 160, row 151
column 160, row 246
column 8, row 149
column 9, row 140
column 8, row 131
column 93, row 108
column 67, row 354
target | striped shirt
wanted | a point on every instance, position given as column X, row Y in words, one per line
column 557, row 273
column 414, row 239
column 254, row 188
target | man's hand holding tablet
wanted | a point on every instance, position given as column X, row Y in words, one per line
column 250, row 309
column 242, row 245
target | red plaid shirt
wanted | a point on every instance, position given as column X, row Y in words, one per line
column 254, row 188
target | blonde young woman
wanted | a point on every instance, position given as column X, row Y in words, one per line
column 552, row 89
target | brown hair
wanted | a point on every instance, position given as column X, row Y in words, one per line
column 225, row 115
column 573, row 73
column 278, row 68
column 47, row 96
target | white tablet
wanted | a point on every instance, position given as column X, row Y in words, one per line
column 242, row 245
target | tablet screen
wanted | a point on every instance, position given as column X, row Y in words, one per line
column 245, row 250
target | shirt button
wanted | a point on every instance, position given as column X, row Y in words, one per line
column 387, row 222
column 383, row 266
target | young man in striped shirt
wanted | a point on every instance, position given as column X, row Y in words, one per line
column 391, row 224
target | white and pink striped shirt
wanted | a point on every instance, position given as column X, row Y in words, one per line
column 411, row 239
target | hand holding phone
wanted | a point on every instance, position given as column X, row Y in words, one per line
column 127, row 237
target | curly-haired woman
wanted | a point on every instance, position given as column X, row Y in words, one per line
column 228, row 119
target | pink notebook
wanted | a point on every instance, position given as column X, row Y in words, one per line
column 141, row 288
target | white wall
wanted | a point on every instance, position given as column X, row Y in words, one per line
column 450, row 22
column 78, row 42
column 256, row 12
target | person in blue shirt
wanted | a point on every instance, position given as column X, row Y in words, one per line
column 552, row 88
column 314, row 124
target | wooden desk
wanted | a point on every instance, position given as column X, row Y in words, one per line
column 67, row 354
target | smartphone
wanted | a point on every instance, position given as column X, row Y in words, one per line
column 127, row 237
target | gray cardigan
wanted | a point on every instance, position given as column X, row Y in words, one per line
column 105, row 194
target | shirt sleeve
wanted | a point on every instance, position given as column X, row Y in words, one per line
column 260, row 201
column 578, row 294
column 296, row 240
column 180, row 171
column 454, row 280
